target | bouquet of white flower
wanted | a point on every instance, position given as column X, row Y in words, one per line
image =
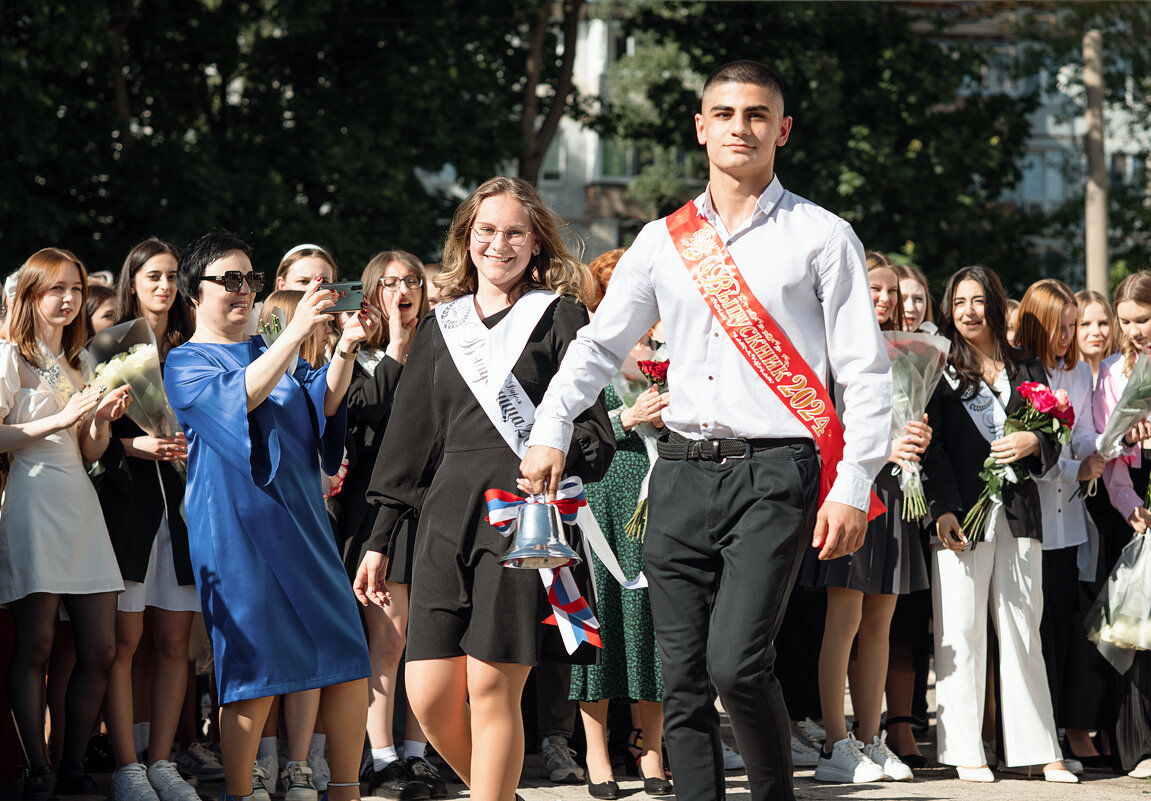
column 917, row 362
column 1119, row 622
column 128, row 355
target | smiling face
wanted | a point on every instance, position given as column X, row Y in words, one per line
column 884, row 292
column 742, row 125
column 154, row 284
column 969, row 314
column 221, row 314
column 1135, row 322
column 409, row 299
column 302, row 273
column 500, row 265
column 914, row 304
column 1094, row 332
column 61, row 303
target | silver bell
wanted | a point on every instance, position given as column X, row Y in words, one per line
column 539, row 540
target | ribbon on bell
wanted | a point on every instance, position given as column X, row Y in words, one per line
column 571, row 613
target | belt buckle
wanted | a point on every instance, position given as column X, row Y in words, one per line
column 746, row 451
column 708, row 450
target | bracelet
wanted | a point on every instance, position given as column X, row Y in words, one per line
column 348, row 354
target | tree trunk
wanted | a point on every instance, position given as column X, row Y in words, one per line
column 1095, row 202
column 537, row 137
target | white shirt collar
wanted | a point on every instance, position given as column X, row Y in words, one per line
column 767, row 201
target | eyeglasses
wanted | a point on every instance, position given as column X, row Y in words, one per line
column 410, row 281
column 231, row 279
column 513, row 236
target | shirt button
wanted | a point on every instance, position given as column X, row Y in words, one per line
column 703, row 425
column 711, row 378
column 715, row 334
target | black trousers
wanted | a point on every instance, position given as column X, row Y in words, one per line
column 723, row 546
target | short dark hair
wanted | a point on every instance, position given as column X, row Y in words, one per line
column 200, row 253
column 746, row 71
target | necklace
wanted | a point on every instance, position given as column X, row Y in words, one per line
column 991, row 371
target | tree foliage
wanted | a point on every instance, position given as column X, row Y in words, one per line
column 286, row 120
column 893, row 130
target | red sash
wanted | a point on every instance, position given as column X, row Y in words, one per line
column 760, row 340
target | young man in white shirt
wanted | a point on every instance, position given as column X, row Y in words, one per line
column 736, row 493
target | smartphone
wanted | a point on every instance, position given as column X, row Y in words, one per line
column 349, row 295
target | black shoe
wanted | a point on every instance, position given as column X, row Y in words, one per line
column 98, row 757
column 397, row 783
column 426, row 772
column 38, row 785
column 655, row 785
column 608, row 790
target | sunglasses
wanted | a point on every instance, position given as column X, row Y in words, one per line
column 232, row 279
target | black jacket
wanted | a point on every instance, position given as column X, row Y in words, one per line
column 958, row 449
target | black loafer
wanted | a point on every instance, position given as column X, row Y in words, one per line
column 396, row 783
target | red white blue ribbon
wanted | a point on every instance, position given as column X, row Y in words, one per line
column 570, row 610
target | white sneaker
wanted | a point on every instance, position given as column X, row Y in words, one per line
column 731, row 758
column 169, row 784
column 296, row 783
column 847, row 764
column 811, row 730
column 893, row 767
column 262, row 780
column 130, row 783
column 321, row 773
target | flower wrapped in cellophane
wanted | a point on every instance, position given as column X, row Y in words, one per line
column 917, row 362
column 1043, row 411
column 1133, row 406
column 127, row 354
column 1119, row 621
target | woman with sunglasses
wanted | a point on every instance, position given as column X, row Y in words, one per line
column 256, row 417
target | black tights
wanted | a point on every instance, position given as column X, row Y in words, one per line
column 94, row 626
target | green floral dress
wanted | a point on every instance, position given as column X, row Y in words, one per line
column 629, row 665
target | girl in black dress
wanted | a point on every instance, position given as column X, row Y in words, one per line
column 476, row 625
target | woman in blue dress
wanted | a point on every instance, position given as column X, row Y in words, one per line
column 261, row 423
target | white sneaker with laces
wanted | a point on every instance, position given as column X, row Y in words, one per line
column 802, row 754
column 812, row 730
column 130, row 783
column 893, row 767
column 296, row 783
column 261, row 781
column 847, row 764
column 169, row 785
column 731, row 758
column 321, row 773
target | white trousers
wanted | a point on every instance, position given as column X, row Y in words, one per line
column 1005, row 577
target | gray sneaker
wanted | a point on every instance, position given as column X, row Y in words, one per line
column 130, row 783
column 199, row 762
column 169, row 784
column 261, row 780
column 296, row 783
column 559, row 763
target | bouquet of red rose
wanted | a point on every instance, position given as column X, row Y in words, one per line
column 656, row 372
column 1045, row 412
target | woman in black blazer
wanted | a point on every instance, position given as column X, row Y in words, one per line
column 1004, row 574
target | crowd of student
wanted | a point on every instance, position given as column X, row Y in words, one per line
column 333, row 457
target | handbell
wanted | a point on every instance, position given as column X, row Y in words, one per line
column 540, row 540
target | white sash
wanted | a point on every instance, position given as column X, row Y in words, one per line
column 989, row 414
column 484, row 358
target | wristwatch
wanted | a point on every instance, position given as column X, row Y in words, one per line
column 348, row 354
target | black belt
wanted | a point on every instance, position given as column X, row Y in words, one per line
column 675, row 446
